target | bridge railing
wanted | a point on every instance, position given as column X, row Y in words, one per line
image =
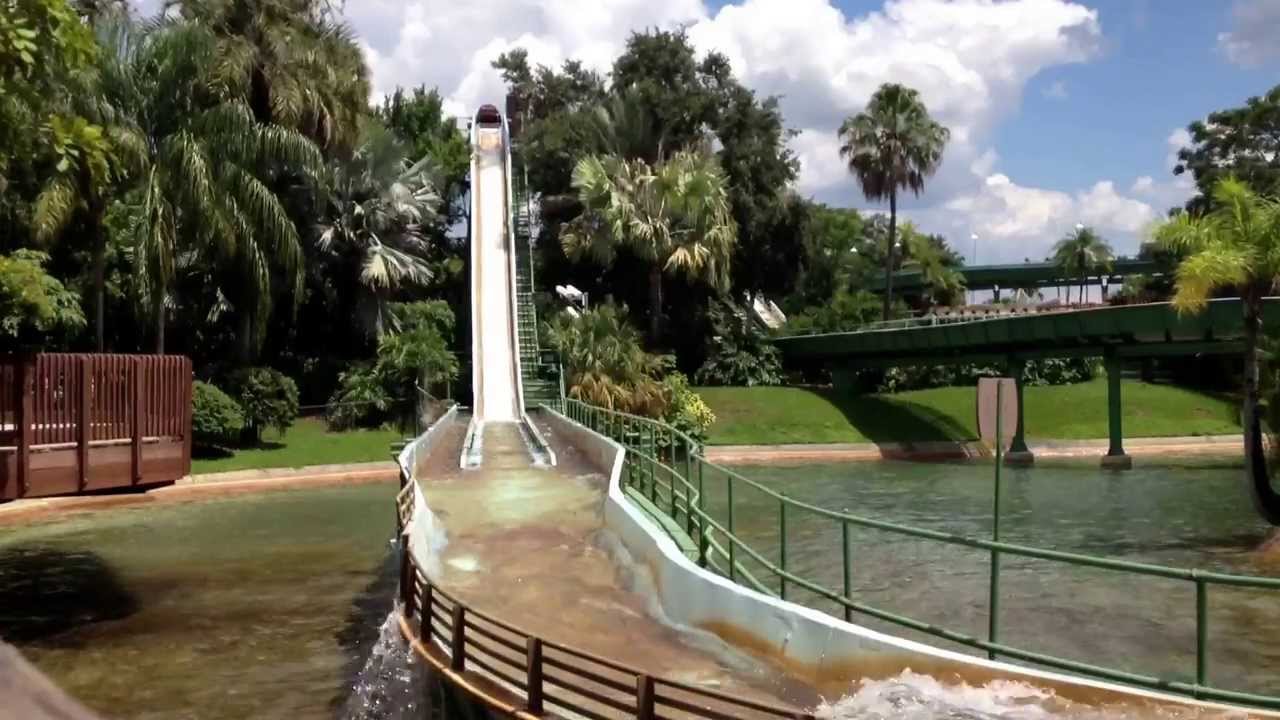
column 668, row 469
column 537, row 676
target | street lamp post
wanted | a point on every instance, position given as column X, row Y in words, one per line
column 973, row 260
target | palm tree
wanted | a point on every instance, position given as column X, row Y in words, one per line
column 202, row 166
column 892, row 145
column 604, row 362
column 294, row 62
column 673, row 215
column 1081, row 253
column 378, row 204
column 943, row 283
column 1235, row 245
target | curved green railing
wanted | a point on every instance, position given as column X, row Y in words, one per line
column 667, row 468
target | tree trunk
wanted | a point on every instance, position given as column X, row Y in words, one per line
column 655, row 303
column 159, row 310
column 246, row 338
column 1265, row 499
column 888, row 263
column 99, row 277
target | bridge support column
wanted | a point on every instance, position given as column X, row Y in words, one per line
column 1115, row 459
column 1019, row 454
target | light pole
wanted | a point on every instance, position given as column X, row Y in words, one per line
column 973, row 260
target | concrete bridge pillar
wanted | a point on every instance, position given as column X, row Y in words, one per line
column 1019, row 453
column 1115, row 458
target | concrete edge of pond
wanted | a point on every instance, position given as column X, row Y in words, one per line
column 204, row 487
column 29, row 695
column 807, row 641
column 935, row 450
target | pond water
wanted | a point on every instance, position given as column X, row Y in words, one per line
column 254, row 606
column 1182, row 517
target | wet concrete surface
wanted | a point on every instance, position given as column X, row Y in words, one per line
column 528, row 545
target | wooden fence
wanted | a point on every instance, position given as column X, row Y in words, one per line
column 525, row 676
column 74, row 423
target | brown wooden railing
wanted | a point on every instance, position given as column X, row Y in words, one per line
column 73, row 423
column 534, row 676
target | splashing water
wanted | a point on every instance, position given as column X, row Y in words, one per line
column 390, row 686
column 914, row 696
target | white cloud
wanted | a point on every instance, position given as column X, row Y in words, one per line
column 1255, row 25
column 1055, row 91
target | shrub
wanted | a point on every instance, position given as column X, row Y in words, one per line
column 687, row 412
column 740, row 352
column 215, row 417
column 268, row 398
column 361, row 400
column 417, row 353
column 605, row 364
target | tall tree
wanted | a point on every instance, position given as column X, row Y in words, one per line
column 892, row 145
column 1243, row 142
column 1235, row 245
column 379, row 203
column 674, row 216
column 1081, row 253
column 295, row 63
column 418, row 118
column 942, row 282
column 204, row 167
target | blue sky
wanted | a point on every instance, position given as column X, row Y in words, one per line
column 1157, row 71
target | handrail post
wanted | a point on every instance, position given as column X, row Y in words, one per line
column 458, row 640
column 644, row 698
column 782, row 547
column 733, row 565
column 993, row 592
column 1202, row 632
column 848, row 571
column 533, row 675
column 83, row 432
column 406, row 580
column 135, row 423
column 702, row 519
column 24, row 376
column 424, row 614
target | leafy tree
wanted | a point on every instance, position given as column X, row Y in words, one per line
column 673, row 216
column 416, row 355
column 605, row 364
column 741, row 353
column 1236, row 244
column 205, row 167
column 378, row 205
column 892, row 145
column 930, row 256
column 418, row 118
column 32, row 302
column 1243, row 142
column 294, row 63
column 1082, row 253
column 843, row 311
column 835, row 255
column 268, row 398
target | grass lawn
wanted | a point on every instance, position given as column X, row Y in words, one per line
column 306, row 443
column 770, row 415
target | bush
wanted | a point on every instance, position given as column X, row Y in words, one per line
column 361, row 400
column 740, row 353
column 605, row 364
column 687, row 412
column 215, row 417
column 268, row 398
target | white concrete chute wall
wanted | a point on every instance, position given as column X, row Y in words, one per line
column 806, row 638
column 494, row 348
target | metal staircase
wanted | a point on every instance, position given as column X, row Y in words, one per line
column 539, row 372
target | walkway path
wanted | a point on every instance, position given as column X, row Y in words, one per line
column 528, row 545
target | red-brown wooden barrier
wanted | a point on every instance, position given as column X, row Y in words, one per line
column 74, row 423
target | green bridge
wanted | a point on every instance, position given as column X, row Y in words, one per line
column 1112, row 333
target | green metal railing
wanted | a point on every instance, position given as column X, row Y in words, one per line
column 669, row 470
